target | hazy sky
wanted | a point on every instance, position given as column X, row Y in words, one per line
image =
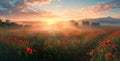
column 54, row 10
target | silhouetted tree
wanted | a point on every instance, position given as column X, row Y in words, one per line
column 76, row 23
column 95, row 24
column 0, row 20
column 7, row 21
column 85, row 22
column 72, row 21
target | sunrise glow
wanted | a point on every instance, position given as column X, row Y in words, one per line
column 42, row 10
column 59, row 30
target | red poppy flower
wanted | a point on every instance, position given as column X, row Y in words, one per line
column 115, row 47
column 28, row 50
column 101, row 43
column 105, row 43
column 109, row 55
column 108, row 42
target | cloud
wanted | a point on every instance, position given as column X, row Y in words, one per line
column 20, row 6
column 99, row 10
column 101, row 7
column 117, row 16
column 116, row 5
column 113, row 4
column 83, row 13
column 31, row 16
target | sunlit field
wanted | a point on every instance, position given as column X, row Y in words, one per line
column 68, row 45
column 59, row 30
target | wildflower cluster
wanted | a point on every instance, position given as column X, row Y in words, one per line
column 107, row 49
column 104, row 43
column 109, row 44
column 16, row 40
column 30, row 50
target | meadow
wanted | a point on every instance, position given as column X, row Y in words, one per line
column 74, row 45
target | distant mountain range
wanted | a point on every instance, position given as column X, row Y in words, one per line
column 104, row 20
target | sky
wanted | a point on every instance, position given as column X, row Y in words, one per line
column 58, row 10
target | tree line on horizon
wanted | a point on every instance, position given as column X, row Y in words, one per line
column 9, row 24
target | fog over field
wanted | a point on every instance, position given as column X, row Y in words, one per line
column 59, row 30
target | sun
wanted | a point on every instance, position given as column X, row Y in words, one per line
column 50, row 22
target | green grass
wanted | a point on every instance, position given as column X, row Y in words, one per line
column 62, row 46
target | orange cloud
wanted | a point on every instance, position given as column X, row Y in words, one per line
column 87, row 12
column 32, row 16
column 28, row 4
column 100, row 7
column 99, row 10
column 117, row 16
column 25, row 10
column 116, row 5
column 11, row 7
column 38, row 2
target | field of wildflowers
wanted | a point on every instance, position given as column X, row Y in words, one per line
column 95, row 45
